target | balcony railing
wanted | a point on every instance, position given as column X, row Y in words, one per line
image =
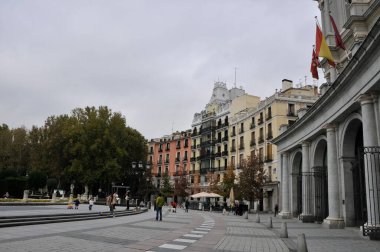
column 261, row 140
column 233, row 149
column 291, row 113
column 241, row 147
column 268, row 158
column 225, row 138
column 224, row 153
column 218, row 154
column 260, row 121
column 270, row 136
column 269, row 116
column 193, row 159
column 252, row 143
column 233, row 134
column 252, row 126
column 178, row 147
column 241, row 131
column 193, row 147
column 167, row 161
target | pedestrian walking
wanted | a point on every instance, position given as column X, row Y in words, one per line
column 187, row 203
column 275, row 210
column 159, row 204
column 127, row 200
column 110, row 202
column 90, row 204
column 76, row 203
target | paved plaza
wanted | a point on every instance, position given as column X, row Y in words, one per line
column 193, row 231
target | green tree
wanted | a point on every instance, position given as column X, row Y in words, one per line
column 228, row 182
column 251, row 178
column 37, row 180
column 167, row 188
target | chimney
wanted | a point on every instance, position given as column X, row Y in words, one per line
column 286, row 84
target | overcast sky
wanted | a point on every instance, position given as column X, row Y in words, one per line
column 155, row 61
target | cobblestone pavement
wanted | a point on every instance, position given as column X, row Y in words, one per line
column 194, row 231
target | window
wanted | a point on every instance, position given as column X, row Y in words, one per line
column 291, row 109
column 269, row 113
column 241, row 143
column 241, row 158
column 241, row 127
column 233, row 160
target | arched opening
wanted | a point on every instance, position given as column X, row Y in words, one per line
column 355, row 205
column 296, row 198
column 319, row 171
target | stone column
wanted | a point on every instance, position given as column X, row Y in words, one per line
column 371, row 160
column 285, row 211
column 334, row 219
column 306, row 215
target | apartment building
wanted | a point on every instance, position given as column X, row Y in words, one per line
column 170, row 154
column 210, row 134
column 253, row 128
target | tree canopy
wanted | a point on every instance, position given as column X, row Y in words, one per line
column 91, row 146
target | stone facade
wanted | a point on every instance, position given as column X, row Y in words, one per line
column 330, row 157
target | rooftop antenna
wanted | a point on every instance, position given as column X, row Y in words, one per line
column 305, row 80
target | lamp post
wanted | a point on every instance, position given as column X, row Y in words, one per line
column 140, row 169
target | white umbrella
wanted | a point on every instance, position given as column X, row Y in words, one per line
column 215, row 195
column 201, row 195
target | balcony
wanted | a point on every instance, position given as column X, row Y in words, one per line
column 178, row 147
column 241, row 147
column 241, row 131
column 225, row 139
column 159, row 161
column 193, row 159
column 233, row 149
column 260, row 121
column 269, row 116
column 268, row 158
column 167, row 161
column 218, row 154
column 233, row 134
column 270, row 136
column 252, row 126
column 167, row 148
column 261, row 139
column 193, row 147
column 177, row 159
column 160, row 150
column 291, row 113
column 252, row 143
column 185, row 146
column 224, row 153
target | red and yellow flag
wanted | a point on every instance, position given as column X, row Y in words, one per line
column 322, row 49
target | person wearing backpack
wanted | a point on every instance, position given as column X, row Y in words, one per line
column 159, row 204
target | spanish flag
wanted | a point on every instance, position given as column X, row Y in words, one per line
column 322, row 49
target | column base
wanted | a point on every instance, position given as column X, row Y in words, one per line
column 307, row 218
column 333, row 223
column 285, row 215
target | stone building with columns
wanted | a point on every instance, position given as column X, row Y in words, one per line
column 330, row 157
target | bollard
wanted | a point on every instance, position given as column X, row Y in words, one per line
column 270, row 222
column 301, row 243
column 245, row 215
column 284, row 230
column 257, row 218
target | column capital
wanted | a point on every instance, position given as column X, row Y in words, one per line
column 305, row 143
column 330, row 126
column 367, row 99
